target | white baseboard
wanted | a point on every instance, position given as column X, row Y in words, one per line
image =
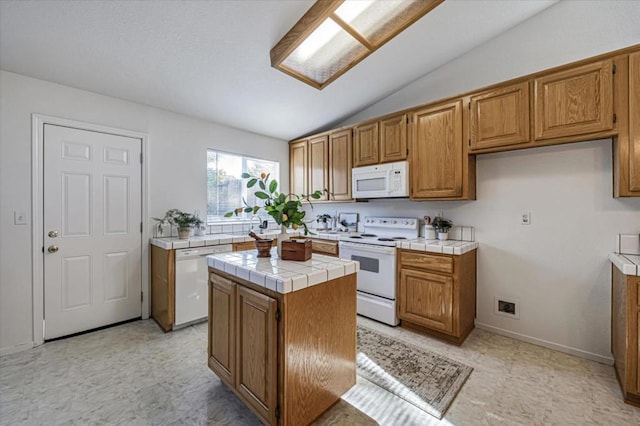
column 17, row 348
column 540, row 342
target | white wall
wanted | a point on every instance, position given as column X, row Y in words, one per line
column 177, row 172
column 557, row 267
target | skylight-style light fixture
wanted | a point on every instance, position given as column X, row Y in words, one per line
column 334, row 35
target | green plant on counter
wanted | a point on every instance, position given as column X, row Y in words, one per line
column 441, row 224
column 183, row 221
column 285, row 209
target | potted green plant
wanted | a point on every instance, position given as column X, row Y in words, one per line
column 198, row 225
column 322, row 221
column 181, row 220
column 285, row 209
column 442, row 227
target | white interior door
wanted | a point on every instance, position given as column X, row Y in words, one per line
column 92, row 229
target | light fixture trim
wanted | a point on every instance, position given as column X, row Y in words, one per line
column 343, row 22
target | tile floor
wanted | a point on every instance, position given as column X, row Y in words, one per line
column 134, row 374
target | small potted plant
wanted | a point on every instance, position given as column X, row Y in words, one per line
column 183, row 221
column 442, row 227
column 321, row 219
column 198, row 225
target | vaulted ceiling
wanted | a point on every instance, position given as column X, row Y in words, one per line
column 210, row 59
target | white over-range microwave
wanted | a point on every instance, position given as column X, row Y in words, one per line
column 381, row 181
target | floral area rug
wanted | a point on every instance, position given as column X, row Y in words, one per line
column 422, row 378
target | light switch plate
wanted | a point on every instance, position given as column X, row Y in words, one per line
column 19, row 218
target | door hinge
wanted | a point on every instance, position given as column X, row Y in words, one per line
column 141, row 227
column 140, row 158
column 277, row 412
column 469, row 142
column 278, row 315
column 43, row 249
column 615, row 118
column 613, row 69
column 469, row 106
column 141, row 297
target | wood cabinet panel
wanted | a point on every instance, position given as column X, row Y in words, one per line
column 340, row 160
column 319, row 164
column 256, row 378
column 222, row 324
column 427, row 299
column 163, row 287
column 436, row 152
column 325, row 247
column 625, row 332
column 393, row 139
column 431, row 262
column 365, row 145
column 246, row 245
column 574, row 101
column 634, row 124
column 500, row 117
column 298, row 167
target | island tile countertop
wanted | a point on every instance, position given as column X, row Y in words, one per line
column 282, row 276
column 628, row 264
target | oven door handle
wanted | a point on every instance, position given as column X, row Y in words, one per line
column 367, row 248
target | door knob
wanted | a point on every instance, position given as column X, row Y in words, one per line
column 53, row 249
column 53, row 234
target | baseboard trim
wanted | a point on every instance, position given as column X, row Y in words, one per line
column 540, row 342
column 17, row 348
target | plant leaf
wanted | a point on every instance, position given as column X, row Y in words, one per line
column 228, row 214
column 251, row 182
column 273, row 186
column 261, row 195
column 245, row 175
column 248, row 210
column 255, row 209
column 261, row 183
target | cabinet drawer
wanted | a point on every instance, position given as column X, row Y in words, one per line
column 325, row 247
column 426, row 261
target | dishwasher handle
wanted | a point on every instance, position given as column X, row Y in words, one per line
column 184, row 254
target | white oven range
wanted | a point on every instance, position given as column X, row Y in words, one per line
column 375, row 249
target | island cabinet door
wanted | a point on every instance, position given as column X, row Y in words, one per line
column 256, row 345
column 426, row 299
column 222, row 324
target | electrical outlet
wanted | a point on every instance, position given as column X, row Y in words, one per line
column 19, row 218
column 525, row 219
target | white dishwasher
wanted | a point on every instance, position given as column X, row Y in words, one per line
column 192, row 297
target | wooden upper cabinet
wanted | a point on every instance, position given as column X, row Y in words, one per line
column 318, row 164
column 298, row 166
column 500, row 117
column 436, row 152
column 340, row 160
column 393, row 139
column 365, row 145
column 633, row 156
column 574, row 102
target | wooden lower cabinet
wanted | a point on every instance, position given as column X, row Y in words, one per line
column 437, row 293
column 163, row 287
column 625, row 333
column 288, row 357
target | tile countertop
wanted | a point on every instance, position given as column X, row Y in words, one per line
column 282, row 276
column 628, row 264
column 169, row 243
column 455, row 247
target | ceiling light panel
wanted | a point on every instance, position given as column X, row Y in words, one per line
column 334, row 35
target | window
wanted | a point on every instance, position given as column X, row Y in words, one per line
column 225, row 187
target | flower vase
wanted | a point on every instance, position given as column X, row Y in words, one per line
column 284, row 236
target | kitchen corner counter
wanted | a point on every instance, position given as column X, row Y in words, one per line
column 628, row 264
column 170, row 243
column 454, row 247
column 282, row 276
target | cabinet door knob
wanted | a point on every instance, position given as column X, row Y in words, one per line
column 53, row 249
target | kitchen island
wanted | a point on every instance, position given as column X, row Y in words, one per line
column 282, row 334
